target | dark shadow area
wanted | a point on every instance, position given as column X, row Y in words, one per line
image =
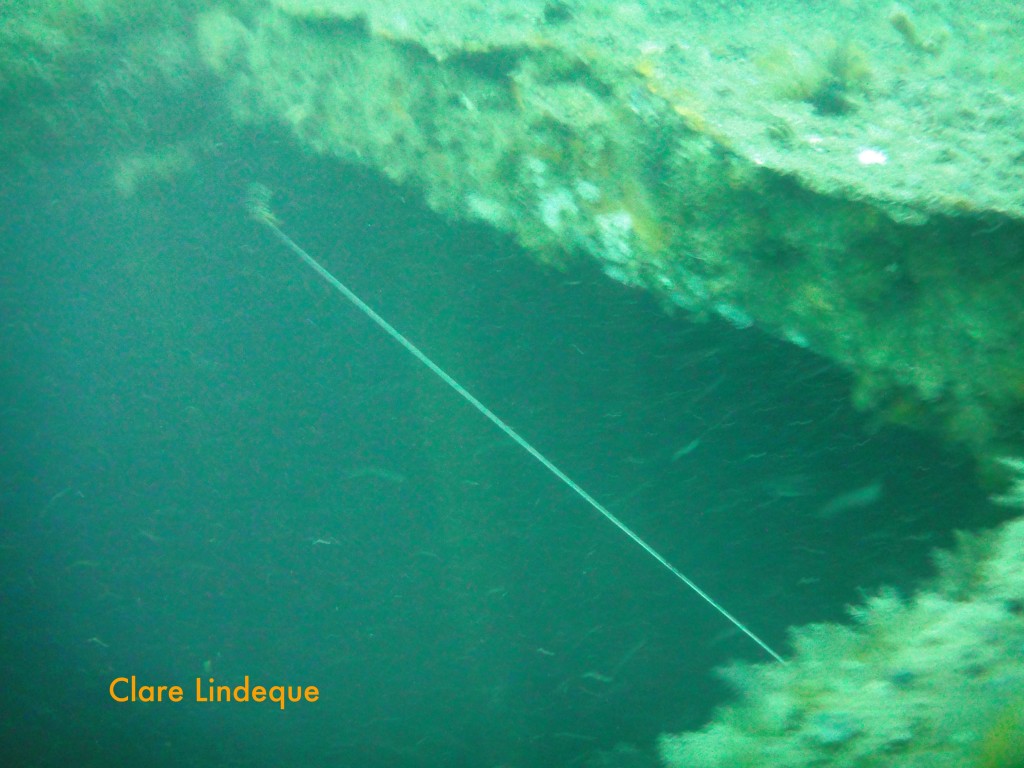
column 213, row 466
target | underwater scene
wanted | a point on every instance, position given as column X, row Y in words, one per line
column 523, row 384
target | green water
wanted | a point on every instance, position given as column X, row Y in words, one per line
column 213, row 467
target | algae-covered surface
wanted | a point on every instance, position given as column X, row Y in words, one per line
column 916, row 106
column 844, row 176
column 930, row 681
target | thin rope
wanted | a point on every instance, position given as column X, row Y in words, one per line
column 258, row 204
